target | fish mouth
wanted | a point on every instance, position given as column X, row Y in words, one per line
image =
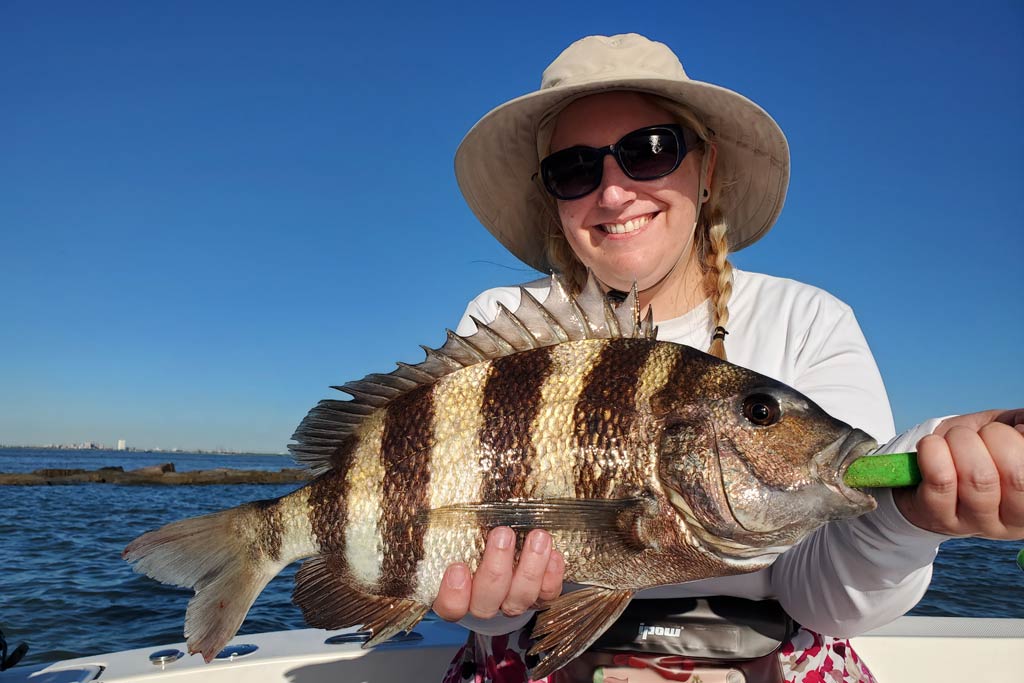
column 832, row 462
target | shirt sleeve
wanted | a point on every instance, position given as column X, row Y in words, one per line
column 854, row 575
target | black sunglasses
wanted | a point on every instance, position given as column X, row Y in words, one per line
column 645, row 154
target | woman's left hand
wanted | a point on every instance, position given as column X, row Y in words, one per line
column 972, row 477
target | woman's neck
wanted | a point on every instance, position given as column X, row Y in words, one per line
column 677, row 293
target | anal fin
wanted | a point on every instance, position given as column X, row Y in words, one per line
column 329, row 599
column 572, row 622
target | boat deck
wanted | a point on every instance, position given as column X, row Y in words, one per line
column 934, row 649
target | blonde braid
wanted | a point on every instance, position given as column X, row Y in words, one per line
column 719, row 282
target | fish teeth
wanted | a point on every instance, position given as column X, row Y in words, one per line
column 629, row 226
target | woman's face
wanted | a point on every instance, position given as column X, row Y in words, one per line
column 627, row 230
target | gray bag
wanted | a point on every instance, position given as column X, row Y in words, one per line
column 715, row 628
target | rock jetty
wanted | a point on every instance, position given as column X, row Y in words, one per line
column 154, row 474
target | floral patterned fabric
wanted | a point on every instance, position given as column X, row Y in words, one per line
column 493, row 659
column 807, row 657
column 810, row 657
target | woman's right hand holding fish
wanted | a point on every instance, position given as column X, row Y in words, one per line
column 500, row 584
column 972, row 470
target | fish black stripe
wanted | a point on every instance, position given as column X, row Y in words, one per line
column 327, row 495
column 511, row 401
column 605, row 415
column 406, row 447
column 269, row 528
column 327, row 512
column 686, row 378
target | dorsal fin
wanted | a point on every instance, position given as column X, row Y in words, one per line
column 561, row 318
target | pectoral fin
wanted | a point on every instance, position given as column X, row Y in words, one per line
column 606, row 518
column 572, row 622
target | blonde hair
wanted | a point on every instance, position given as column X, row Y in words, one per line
column 711, row 242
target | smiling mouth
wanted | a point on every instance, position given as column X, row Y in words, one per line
column 629, row 226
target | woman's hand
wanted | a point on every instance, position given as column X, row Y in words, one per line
column 972, row 477
column 500, row 583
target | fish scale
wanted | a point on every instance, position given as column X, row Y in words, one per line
column 649, row 462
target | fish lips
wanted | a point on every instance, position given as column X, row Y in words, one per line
column 831, row 463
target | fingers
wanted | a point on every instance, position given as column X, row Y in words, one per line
column 554, row 575
column 1005, row 443
column 972, row 482
column 499, row 582
column 530, row 574
column 932, row 505
column 452, row 601
column 493, row 577
column 479, row 594
column 977, row 484
column 1013, row 418
column 973, row 421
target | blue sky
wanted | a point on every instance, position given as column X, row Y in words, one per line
column 210, row 212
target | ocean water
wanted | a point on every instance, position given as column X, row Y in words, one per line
column 65, row 590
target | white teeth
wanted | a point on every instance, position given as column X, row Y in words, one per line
column 628, row 226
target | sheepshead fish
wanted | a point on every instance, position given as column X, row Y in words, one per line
column 649, row 462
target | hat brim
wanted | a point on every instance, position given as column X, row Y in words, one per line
column 496, row 161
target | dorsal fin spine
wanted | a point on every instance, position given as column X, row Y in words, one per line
column 499, row 342
column 509, row 329
column 465, row 344
column 524, row 331
column 424, row 377
column 561, row 318
column 445, row 359
column 557, row 330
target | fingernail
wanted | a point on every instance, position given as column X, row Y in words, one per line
column 540, row 542
column 457, row 576
column 503, row 538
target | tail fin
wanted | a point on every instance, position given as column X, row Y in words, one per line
column 219, row 556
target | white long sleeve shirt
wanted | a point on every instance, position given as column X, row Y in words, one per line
column 849, row 576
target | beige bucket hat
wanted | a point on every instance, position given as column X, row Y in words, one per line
column 496, row 161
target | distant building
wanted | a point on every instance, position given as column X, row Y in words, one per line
column 121, row 446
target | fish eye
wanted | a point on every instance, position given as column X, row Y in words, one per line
column 762, row 410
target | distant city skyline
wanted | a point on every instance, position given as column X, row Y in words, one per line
column 94, row 445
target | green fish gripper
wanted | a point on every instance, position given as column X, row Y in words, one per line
column 890, row 470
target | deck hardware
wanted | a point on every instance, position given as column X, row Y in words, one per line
column 363, row 636
column 233, row 652
column 353, row 637
column 164, row 657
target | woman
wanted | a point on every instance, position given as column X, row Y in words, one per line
column 623, row 165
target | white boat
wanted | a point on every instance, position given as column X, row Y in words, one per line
column 934, row 649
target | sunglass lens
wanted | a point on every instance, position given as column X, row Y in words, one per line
column 649, row 154
column 572, row 172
